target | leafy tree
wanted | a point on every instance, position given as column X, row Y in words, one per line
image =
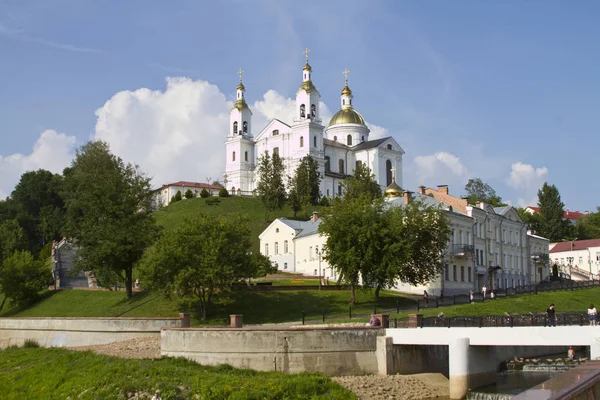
column 177, row 197
column 202, row 257
column 588, row 226
column 217, row 183
column 204, row 193
column 109, row 211
column 189, row 194
column 12, row 238
column 270, row 186
column 304, row 186
column 477, row 190
column 223, row 192
column 325, row 201
column 22, row 277
column 362, row 183
column 551, row 223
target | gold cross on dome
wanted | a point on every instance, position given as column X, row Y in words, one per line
column 240, row 73
column 393, row 174
column 306, row 53
column 346, row 72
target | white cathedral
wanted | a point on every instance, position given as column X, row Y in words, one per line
column 337, row 148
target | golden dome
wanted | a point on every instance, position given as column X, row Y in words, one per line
column 240, row 104
column 393, row 190
column 346, row 91
column 241, row 86
column 347, row 116
column 307, row 67
column 308, row 86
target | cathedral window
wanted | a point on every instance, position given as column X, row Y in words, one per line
column 235, row 128
column 358, row 165
column 327, row 164
column 362, row 139
column 341, row 166
column 302, row 111
column 335, row 138
column 314, row 141
column 389, row 146
column 233, row 156
column 246, row 156
column 275, row 132
column 339, row 190
column 388, row 172
column 301, row 141
column 349, row 140
column 343, row 102
column 275, row 150
column 313, row 111
column 245, row 126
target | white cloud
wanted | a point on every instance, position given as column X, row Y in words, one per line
column 440, row 164
column 527, row 180
column 377, row 132
column 52, row 151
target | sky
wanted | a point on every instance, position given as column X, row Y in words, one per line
column 506, row 91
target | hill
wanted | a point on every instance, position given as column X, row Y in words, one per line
column 175, row 214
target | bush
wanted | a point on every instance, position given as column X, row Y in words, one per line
column 189, row 194
column 223, row 192
column 325, row 201
column 215, row 201
column 177, row 197
column 204, row 193
column 30, row 344
column 22, row 277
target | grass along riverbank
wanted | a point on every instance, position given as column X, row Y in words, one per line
column 36, row 373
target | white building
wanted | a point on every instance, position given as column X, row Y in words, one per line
column 578, row 258
column 336, row 148
column 169, row 190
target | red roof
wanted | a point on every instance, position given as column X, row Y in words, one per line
column 193, row 184
column 567, row 215
column 577, row 245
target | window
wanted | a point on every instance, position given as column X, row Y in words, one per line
column 580, row 260
column 446, row 273
column 453, row 236
column 285, row 246
column 276, row 248
column 389, row 146
column 302, row 111
column 310, row 253
column 233, row 156
column 276, row 230
column 469, row 274
column 301, row 141
column 235, row 128
column 246, row 156
column 468, row 237
column 275, row 132
column 245, row 126
column 313, row 111
column 462, row 273
column 454, row 273
column 315, row 272
column 335, row 138
column 358, row 165
column 461, row 235
column 314, row 141
column 362, row 138
column 284, row 265
column 388, row 172
column 349, row 140
column 504, row 235
column 275, row 150
column 327, row 164
column 341, row 166
column 343, row 102
column 327, row 192
column 339, row 189
column 267, row 249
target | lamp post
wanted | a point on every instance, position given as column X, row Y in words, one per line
column 319, row 257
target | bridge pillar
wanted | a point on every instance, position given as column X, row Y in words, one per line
column 469, row 367
column 595, row 349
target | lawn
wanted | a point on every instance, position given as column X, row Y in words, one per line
column 35, row 373
column 257, row 307
column 251, row 207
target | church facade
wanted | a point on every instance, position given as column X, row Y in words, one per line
column 337, row 147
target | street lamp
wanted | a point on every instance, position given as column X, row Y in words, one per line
column 319, row 256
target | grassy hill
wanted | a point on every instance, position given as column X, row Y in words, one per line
column 34, row 373
column 251, row 207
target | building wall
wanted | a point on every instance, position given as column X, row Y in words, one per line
column 587, row 260
column 273, row 245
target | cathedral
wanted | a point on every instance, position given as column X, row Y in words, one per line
column 337, row 147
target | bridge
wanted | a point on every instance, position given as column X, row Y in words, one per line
column 472, row 351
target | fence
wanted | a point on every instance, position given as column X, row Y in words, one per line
column 565, row 319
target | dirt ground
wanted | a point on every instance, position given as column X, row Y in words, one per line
column 369, row 387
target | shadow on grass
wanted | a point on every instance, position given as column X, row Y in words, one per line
column 17, row 309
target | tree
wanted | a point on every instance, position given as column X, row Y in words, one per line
column 109, row 211
column 270, row 186
column 189, row 194
column 223, row 192
column 588, row 226
column 204, row 256
column 361, row 183
column 12, row 238
column 204, row 193
column 551, row 224
column 477, row 190
column 217, row 183
column 22, row 277
column 177, row 197
column 304, row 186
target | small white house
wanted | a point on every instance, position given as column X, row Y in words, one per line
column 578, row 258
column 169, row 190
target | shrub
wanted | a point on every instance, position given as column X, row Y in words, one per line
column 325, row 201
column 177, row 197
column 204, row 193
column 30, row 344
column 213, row 202
column 189, row 194
column 223, row 192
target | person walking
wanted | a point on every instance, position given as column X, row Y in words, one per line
column 426, row 297
column 471, row 296
column 593, row 315
column 483, row 290
column 551, row 313
column 492, row 295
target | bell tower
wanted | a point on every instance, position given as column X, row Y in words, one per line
column 240, row 115
column 307, row 96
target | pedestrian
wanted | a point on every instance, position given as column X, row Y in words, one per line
column 156, row 395
column 441, row 315
column 551, row 313
column 593, row 315
column 374, row 321
column 327, row 281
column 441, row 294
column 571, row 353
column 492, row 295
column 483, row 290
column 426, row 297
column 470, row 296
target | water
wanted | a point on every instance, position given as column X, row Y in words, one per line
column 511, row 383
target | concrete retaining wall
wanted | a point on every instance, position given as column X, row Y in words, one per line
column 69, row 332
column 332, row 351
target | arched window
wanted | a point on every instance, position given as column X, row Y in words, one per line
column 275, row 150
column 302, row 111
column 245, row 127
column 339, row 190
column 267, row 249
column 275, row 132
column 335, row 138
column 310, row 253
column 327, row 164
column 246, row 156
column 301, row 141
column 349, row 140
column 388, row 172
column 233, row 156
column 358, row 165
column 285, row 246
column 313, row 111
column 341, row 166
column 276, row 247
column 362, row 138
column 314, row 141
column 343, row 102
column 389, row 146
column 235, row 128
column 276, row 230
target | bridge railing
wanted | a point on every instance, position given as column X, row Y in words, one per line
column 540, row 319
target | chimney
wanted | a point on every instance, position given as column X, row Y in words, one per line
column 422, row 189
column 443, row 189
column 315, row 216
column 407, row 197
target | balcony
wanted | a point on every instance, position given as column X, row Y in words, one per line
column 540, row 258
column 461, row 251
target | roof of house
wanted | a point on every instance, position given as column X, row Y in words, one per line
column 192, row 184
column 306, row 228
column 577, row 245
column 567, row 214
column 370, row 144
column 502, row 210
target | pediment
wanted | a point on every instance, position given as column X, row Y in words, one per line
column 273, row 125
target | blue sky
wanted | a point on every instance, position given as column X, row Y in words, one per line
column 507, row 91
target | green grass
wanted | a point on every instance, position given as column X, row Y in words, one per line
column 175, row 214
column 58, row 374
column 257, row 307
